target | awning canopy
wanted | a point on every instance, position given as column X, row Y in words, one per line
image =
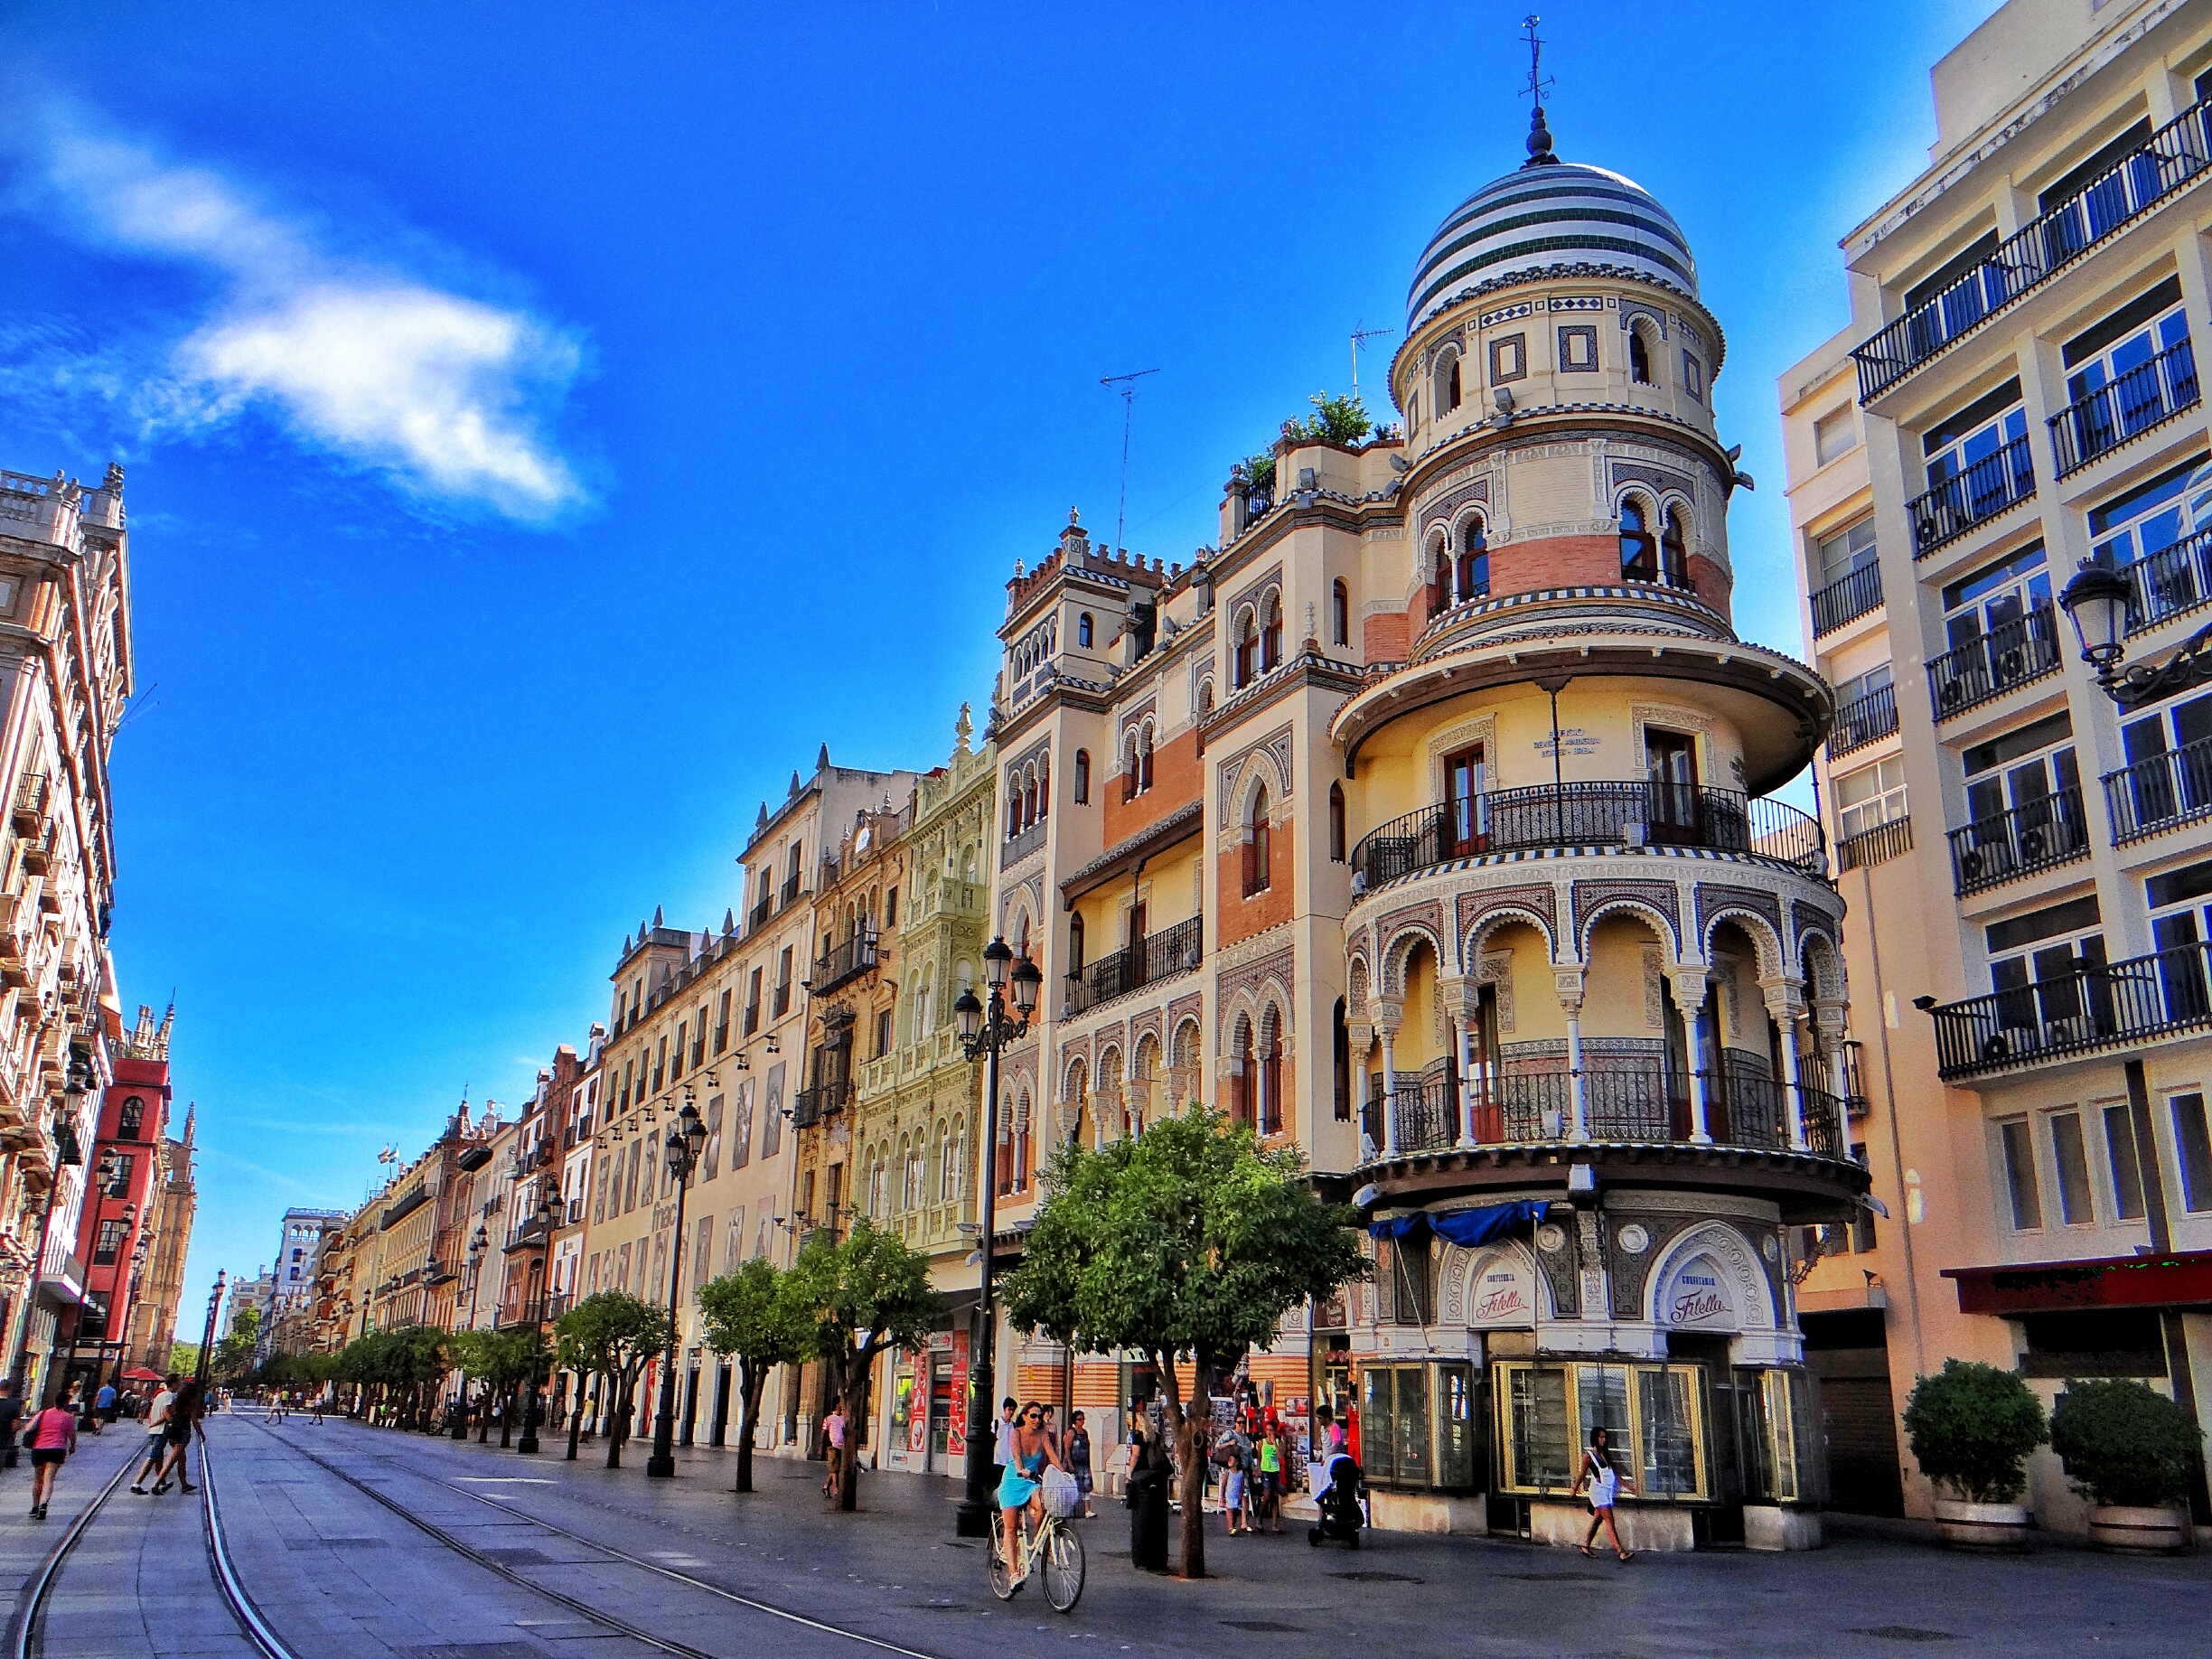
column 142, row 1375
column 2184, row 1278
column 1466, row 1228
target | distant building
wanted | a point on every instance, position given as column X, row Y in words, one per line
column 174, row 1200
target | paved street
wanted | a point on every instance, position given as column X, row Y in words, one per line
column 336, row 1572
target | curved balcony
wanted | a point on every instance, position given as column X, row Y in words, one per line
column 1629, row 813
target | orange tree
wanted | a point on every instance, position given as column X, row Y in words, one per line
column 1188, row 1241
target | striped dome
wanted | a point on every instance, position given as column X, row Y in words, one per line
column 1551, row 213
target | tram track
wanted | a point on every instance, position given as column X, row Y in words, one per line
column 582, row 1609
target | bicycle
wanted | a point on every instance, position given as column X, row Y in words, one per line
column 1055, row 1550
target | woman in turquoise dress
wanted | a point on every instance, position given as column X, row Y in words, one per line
column 1022, row 1485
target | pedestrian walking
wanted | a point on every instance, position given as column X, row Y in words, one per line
column 103, row 1406
column 158, row 1432
column 184, row 1420
column 315, row 1409
column 1079, row 1460
column 1002, row 1447
column 1604, row 1482
column 1146, row 1496
column 1269, row 1478
column 52, row 1437
column 1232, row 1452
column 834, row 1449
column 11, row 1413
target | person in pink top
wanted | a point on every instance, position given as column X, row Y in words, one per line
column 52, row 1435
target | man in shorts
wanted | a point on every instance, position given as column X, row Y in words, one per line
column 157, row 1430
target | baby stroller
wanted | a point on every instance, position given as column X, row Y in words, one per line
column 1341, row 1514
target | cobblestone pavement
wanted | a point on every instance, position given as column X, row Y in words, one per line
column 339, row 1574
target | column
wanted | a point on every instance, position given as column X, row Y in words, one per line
column 1689, row 1003
column 1389, row 1090
column 1569, row 984
column 1465, row 1102
column 1779, row 1005
column 1829, row 1030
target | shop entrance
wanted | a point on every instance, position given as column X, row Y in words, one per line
column 1849, row 1353
column 1734, row 1400
column 937, row 1458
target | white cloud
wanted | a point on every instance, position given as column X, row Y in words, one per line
column 444, row 392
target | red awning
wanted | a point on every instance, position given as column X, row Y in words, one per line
column 142, row 1375
column 2109, row 1281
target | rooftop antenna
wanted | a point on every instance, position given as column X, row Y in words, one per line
column 1360, row 336
column 1539, row 136
column 1126, row 384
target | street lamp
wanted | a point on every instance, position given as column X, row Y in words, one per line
column 2096, row 601
column 687, row 1138
column 207, row 1338
column 989, row 1032
column 548, row 1211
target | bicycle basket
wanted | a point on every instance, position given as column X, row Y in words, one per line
column 1062, row 1496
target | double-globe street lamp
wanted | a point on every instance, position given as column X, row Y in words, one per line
column 546, row 1214
column 687, row 1138
column 989, row 1032
column 207, row 1338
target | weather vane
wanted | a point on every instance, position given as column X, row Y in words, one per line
column 1540, row 135
column 1535, row 45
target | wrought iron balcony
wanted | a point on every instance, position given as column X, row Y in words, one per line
column 1997, row 483
column 532, row 1310
column 779, row 1002
column 2176, row 154
column 1863, row 720
column 2009, row 655
column 758, row 916
column 2131, row 405
column 811, row 1106
column 2160, row 791
column 842, row 964
column 752, row 1018
column 1629, row 1099
column 2094, row 1006
column 1875, row 846
column 1157, row 956
column 1847, row 598
column 789, row 891
column 1591, row 814
column 2048, row 831
column 2170, row 583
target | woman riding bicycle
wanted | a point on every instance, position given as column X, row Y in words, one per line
column 1022, row 1485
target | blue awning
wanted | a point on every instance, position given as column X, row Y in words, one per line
column 1466, row 1228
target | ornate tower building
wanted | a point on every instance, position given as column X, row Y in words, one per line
column 1426, row 824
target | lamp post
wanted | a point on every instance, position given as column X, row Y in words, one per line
column 988, row 1032
column 687, row 1138
column 2096, row 601
column 548, row 1208
column 207, row 1338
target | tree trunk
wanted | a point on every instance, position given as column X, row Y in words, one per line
column 1194, row 1443
column 575, row 1415
column 853, row 1397
column 483, row 1417
column 507, row 1412
column 752, row 1381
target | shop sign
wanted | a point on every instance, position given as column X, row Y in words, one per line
column 956, row 1431
column 1697, row 1296
column 1502, row 1294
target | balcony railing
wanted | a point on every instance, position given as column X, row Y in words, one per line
column 2160, row 791
column 1585, row 814
column 1875, row 846
column 2130, row 405
column 841, row 964
column 533, row 1311
column 1863, row 720
column 1630, row 1098
column 752, row 1018
column 789, row 891
column 1847, row 598
column 2048, row 830
column 779, row 1001
column 811, row 1106
column 1948, row 509
column 2170, row 582
column 758, row 917
column 1019, row 847
column 2175, row 155
column 2094, row 1005
column 1157, row 956
column 2010, row 654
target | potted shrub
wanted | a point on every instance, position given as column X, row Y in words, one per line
column 2129, row 1450
column 1971, row 1427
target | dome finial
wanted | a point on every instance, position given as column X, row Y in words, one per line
column 1540, row 135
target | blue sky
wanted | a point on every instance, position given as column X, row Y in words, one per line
column 543, row 431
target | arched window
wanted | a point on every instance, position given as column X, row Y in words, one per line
column 1270, row 1056
column 1639, row 358
column 1084, row 629
column 1271, row 636
column 1639, row 558
column 1075, row 945
column 1247, row 649
column 1240, row 1077
column 1439, row 576
column 1014, row 805
column 1028, row 797
column 1337, row 822
column 1129, row 766
column 1474, row 569
column 1082, row 777
column 1447, row 394
column 1257, row 853
column 1206, row 696
column 1674, row 549
column 1045, row 786
column 1340, row 615
column 1144, row 758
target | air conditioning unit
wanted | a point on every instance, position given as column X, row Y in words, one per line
column 1952, row 694
column 1972, row 863
column 2035, row 843
column 2012, row 664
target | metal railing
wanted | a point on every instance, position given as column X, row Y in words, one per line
column 1630, row 1098
column 1863, row 720
column 2175, row 155
column 752, row 1017
column 842, row 963
column 811, row 1106
column 1592, row 814
column 757, row 918
column 2128, row 405
column 2160, row 791
column 1850, row 596
column 1157, row 956
column 2171, row 582
column 1952, row 506
column 533, row 1311
column 2092, row 1006
column 1876, row 846
column 2010, row 654
column 788, row 891
column 2048, row 830
column 779, row 1003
